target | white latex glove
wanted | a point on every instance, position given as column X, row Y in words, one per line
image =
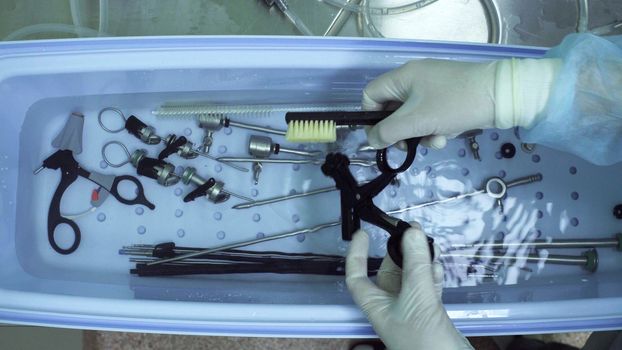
column 444, row 98
column 405, row 308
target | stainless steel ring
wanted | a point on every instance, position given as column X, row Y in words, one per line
column 117, row 111
column 105, row 146
column 503, row 188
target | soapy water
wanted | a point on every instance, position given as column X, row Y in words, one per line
column 531, row 211
column 478, row 219
column 473, row 219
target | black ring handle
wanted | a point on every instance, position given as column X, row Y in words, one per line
column 394, row 244
column 140, row 194
column 76, row 235
column 382, row 160
column 68, row 176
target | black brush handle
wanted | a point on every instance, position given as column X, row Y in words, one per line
column 340, row 118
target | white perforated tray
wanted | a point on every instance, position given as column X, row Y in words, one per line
column 566, row 204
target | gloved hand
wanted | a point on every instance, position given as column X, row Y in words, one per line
column 444, row 98
column 405, row 308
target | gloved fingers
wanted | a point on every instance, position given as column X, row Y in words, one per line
column 417, row 274
column 364, row 292
column 437, row 252
column 438, row 272
column 415, row 225
column 404, row 123
column 401, row 145
column 415, row 247
column 387, row 87
column 438, row 276
column 389, row 276
column 434, row 141
column 356, row 260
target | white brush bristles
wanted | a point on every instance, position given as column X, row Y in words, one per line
column 311, row 131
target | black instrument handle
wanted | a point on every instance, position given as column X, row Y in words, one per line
column 134, row 125
column 394, row 245
column 147, row 167
column 55, row 218
column 64, row 161
column 172, row 147
column 200, row 190
column 382, row 160
column 140, row 192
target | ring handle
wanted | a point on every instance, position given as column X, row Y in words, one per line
column 68, row 176
column 140, row 192
column 118, row 112
column 127, row 152
column 76, row 235
column 394, row 245
column 502, row 188
column 411, row 151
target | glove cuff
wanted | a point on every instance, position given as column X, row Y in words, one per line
column 522, row 88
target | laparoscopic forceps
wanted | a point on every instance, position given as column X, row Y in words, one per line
column 588, row 259
column 260, row 202
column 505, row 186
column 251, row 204
column 494, row 187
column 613, row 242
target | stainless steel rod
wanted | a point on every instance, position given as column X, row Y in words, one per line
column 435, row 202
column 533, row 258
column 299, row 153
column 354, row 161
column 551, row 259
column 207, row 155
column 189, row 261
column 257, row 128
column 517, row 182
column 252, row 203
column 523, row 180
column 244, row 198
column 548, row 244
column 269, row 160
column 245, row 243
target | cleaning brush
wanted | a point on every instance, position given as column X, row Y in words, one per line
column 322, row 126
column 188, row 111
